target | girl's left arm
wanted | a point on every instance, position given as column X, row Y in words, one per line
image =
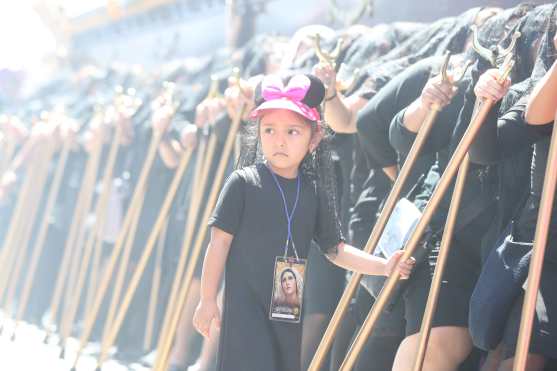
column 353, row 259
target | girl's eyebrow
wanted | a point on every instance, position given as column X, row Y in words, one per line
column 289, row 125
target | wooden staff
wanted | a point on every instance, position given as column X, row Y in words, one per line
column 122, row 269
column 17, row 221
column 444, row 249
column 77, row 265
column 162, row 354
column 10, row 147
column 484, row 107
column 152, row 311
column 127, row 106
column 69, row 248
column 536, row 263
column 100, row 217
column 378, row 229
column 140, row 268
column 111, row 265
column 9, row 246
column 204, row 160
column 23, row 245
column 203, row 163
column 42, row 154
column 43, row 232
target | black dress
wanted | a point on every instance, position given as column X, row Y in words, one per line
column 474, row 218
column 510, row 137
column 251, row 208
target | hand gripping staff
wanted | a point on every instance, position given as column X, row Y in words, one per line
column 386, row 212
column 482, row 110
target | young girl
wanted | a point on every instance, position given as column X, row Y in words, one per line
column 268, row 212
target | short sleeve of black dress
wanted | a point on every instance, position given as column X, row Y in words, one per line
column 328, row 232
column 230, row 205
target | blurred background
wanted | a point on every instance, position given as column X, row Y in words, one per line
column 39, row 38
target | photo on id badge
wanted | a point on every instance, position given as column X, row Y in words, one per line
column 288, row 289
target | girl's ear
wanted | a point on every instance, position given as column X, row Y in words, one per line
column 316, row 138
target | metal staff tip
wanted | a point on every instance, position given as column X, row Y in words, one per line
column 496, row 54
column 214, row 89
column 325, row 57
column 454, row 80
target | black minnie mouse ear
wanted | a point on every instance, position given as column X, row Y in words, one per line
column 316, row 92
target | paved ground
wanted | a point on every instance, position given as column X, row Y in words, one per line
column 28, row 353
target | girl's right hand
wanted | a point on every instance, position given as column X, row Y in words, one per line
column 488, row 86
column 205, row 313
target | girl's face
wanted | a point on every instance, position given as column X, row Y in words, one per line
column 288, row 283
column 286, row 138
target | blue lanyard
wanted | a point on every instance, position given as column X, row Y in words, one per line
column 289, row 215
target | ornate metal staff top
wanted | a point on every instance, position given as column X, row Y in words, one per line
column 497, row 54
column 326, row 57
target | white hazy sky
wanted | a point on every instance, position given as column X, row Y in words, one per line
column 23, row 37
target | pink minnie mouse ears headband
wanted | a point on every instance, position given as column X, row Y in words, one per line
column 302, row 94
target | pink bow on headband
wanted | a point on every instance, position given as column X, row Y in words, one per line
column 290, row 97
column 272, row 88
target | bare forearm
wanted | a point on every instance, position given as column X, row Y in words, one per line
column 341, row 113
column 353, row 259
column 213, row 268
column 543, row 100
column 414, row 116
column 169, row 153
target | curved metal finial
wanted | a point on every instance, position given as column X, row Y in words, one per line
column 325, row 57
column 214, row 88
column 452, row 78
column 169, row 90
column 503, row 52
column 456, row 80
column 497, row 54
column 506, row 67
column 445, row 67
column 486, row 53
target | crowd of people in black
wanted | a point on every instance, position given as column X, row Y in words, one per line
column 118, row 151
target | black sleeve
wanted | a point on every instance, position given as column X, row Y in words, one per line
column 400, row 137
column 374, row 120
column 502, row 137
column 440, row 135
column 230, row 205
column 328, row 232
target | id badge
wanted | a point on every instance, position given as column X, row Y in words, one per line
column 288, row 289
